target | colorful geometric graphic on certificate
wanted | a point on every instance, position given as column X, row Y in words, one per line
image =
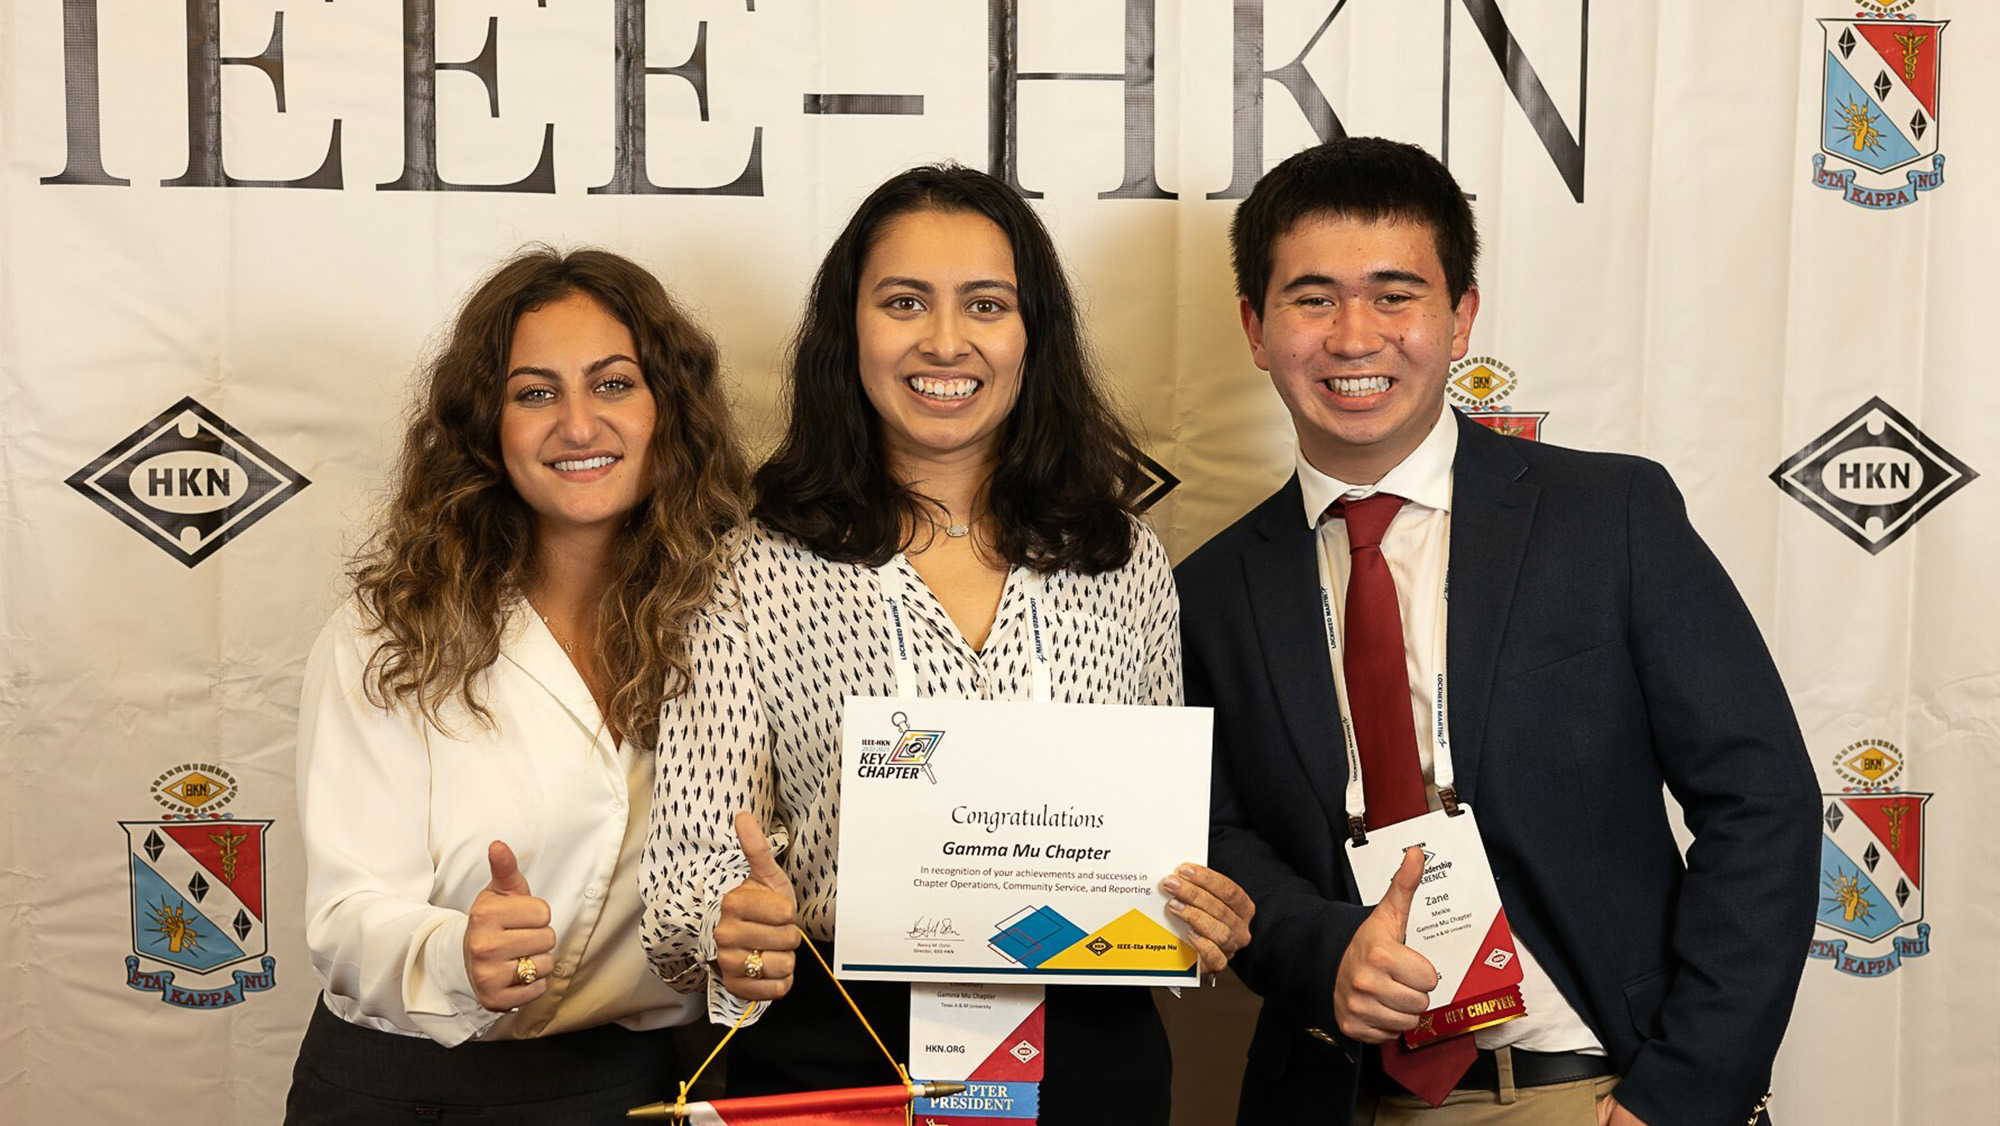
column 1033, row 935
column 1041, row 939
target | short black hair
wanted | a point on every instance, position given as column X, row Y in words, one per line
column 1370, row 178
column 1063, row 496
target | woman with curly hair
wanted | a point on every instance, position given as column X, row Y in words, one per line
column 478, row 722
column 948, row 452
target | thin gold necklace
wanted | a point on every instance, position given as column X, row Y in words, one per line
column 551, row 627
column 567, row 648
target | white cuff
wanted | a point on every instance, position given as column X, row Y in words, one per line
column 437, row 991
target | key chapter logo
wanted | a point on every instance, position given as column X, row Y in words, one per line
column 198, row 900
column 1871, row 873
column 1879, row 107
column 1873, row 475
column 1478, row 384
column 188, row 481
column 907, row 756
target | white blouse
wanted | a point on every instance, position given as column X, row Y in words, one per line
column 783, row 644
column 397, row 816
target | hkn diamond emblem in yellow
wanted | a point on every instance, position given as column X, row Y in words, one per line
column 196, row 789
column 1477, row 383
column 1873, row 761
column 1482, row 382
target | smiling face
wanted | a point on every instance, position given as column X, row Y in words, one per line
column 1359, row 333
column 941, row 338
column 577, row 417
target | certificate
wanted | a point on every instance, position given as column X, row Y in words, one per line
column 1010, row 841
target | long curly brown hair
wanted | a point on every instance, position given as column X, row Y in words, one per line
column 456, row 544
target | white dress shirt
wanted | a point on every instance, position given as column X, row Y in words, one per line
column 1417, row 547
column 787, row 639
column 397, row 816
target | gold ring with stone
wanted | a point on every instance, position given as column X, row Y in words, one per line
column 753, row 964
column 524, row 971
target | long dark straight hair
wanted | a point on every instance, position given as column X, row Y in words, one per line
column 1062, row 494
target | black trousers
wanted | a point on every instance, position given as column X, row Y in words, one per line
column 1107, row 1061
column 348, row 1075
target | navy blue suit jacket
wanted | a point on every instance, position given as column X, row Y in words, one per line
column 1596, row 651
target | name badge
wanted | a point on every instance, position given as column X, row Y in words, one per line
column 988, row 1036
column 1456, row 920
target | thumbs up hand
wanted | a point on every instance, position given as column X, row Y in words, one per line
column 1383, row 986
column 508, row 940
column 758, row 928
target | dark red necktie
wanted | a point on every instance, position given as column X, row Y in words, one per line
column 1392, row 777
column 1378, row 679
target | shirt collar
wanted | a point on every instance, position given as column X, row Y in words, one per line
column 1423, row 478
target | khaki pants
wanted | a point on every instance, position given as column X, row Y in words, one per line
column 1559, row 1104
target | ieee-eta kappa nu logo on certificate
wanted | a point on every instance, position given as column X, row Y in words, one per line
column 1871, row 867
column 1873, row 475
column 188, row 481
column 198, row 895
column 1879, row 107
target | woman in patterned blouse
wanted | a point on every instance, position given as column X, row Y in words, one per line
column 945, row 427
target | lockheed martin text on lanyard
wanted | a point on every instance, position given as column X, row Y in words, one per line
column 895, row 586
column 1441, row 772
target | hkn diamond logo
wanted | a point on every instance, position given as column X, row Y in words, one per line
column 188, row 481
column 1873, row 475
column 1158, row 483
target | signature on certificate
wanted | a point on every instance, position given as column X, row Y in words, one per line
column 927, row 927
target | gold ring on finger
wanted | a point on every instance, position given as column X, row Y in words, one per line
column 753, row 964
column 524, row 971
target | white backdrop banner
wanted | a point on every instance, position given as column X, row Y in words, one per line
column 1752, row 241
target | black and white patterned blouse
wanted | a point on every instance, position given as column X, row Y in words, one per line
column 788, row 637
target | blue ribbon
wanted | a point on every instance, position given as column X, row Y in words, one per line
column 1878, row 965
column 987, row 1098
column 162, row 982
column 1877, row 199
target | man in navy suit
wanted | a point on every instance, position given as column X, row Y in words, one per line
column 1592, row 652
